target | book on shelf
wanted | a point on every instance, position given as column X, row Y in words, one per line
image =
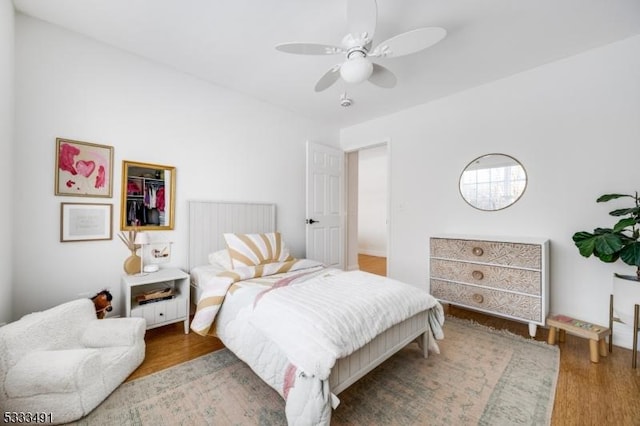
column 156, row 295
column 157, row 299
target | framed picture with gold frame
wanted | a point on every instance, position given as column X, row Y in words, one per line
column 83, row 169
column 148, row 197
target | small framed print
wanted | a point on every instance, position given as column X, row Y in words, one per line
column 85, row 222
column 83, row 169
column 160, row 252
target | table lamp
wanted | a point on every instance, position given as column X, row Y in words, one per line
column 142, row 239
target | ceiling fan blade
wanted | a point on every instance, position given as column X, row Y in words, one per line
column 382, row 77
column 361, row 18
column 328, row 79
column 409, row 42
column 309, row 49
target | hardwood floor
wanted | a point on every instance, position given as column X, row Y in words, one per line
column 586, row 394
column 168, row 346
column 373, row 264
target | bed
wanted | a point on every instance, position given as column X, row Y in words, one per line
column 244, row 308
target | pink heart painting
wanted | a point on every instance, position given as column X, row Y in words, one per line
column 85, row 168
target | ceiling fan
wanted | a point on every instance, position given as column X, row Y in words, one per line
column 356, row 46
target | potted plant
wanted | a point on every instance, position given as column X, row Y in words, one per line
column 622, row 242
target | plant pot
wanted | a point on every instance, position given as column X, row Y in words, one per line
column 626, row 294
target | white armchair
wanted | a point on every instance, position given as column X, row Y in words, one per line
column 65, row 361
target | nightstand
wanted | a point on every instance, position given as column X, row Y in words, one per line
column 161, row 312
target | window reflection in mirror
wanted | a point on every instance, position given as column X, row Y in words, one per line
column 493, row 182
column 148, row 192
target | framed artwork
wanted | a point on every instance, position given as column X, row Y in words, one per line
column 85, row 222
column 83, row 169
column 147, row 197
column 159, row 252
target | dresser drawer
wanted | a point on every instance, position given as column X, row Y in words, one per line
column 494, row 301
column 493, row 252
column 499, row 277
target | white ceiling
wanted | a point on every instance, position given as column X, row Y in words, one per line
column 231, row 43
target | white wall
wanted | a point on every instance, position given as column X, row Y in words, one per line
column 225, row 146
column 574, row 124
column 372, row 200
column 6, row 139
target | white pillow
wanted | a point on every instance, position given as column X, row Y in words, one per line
column 221, row 257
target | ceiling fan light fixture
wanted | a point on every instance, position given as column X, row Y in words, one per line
column 362, row 16
column 356, row 70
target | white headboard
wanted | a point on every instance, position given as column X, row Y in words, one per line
column 208, row 220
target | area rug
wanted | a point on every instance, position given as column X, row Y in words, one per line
column 481, row 377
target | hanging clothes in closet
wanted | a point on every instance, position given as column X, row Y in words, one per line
column 136, row 213
column 151, row 201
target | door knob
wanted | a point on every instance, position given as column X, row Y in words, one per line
column 311, row 221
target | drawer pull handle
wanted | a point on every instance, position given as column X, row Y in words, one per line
column 477, row 251
column 478, row 275
column 478, row 298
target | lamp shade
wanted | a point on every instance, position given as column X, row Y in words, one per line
column 356, row 70
column 142, row 238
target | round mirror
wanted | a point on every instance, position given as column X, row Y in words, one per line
column 493, row 182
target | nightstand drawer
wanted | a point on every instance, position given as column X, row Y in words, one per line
column 159, row 312
column 491, row 252
column 499, row 277
column 494, row 301
column 166, row 311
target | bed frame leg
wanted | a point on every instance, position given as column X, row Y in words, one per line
column 423, row 343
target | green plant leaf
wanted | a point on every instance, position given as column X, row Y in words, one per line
column 609, row 258
column 622, row 242
column 603, row 246
column 623, row 212
column 607, row 244
column 607, row 197
column 585, row 243
column 579, row 236
column 601, row 231
column 624, row 223
column 631, row 254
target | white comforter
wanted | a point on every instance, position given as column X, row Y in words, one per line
column 319, row 320
column 291, row 328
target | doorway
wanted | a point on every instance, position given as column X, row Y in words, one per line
column 367, row 208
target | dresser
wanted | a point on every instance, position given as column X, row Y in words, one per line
column 498, row 276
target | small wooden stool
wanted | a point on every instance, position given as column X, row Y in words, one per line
column 595, row 333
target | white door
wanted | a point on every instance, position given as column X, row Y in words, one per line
column 325, row 205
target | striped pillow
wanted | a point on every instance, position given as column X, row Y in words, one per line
column 256, row 249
